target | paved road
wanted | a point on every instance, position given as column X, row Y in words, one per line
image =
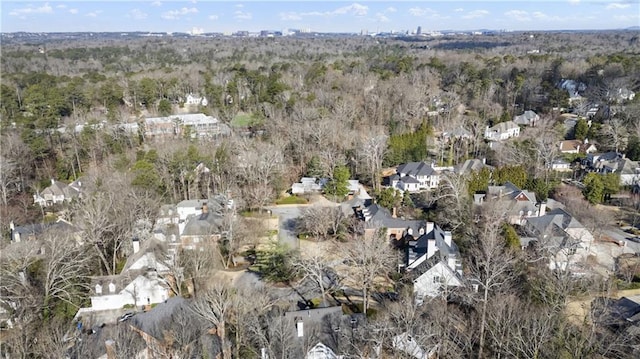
column 621, row 235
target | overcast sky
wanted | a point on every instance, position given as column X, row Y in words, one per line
column 324, row 16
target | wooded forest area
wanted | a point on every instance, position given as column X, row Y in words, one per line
column 334, row 108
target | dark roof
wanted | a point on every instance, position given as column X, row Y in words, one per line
column 415, row 169
column 409, row 179
column 38, row 228
column 381, row 217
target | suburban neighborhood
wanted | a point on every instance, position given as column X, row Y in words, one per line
column 414, row 194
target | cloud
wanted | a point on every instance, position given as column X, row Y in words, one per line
column 426, row 13
column 239, row 6
column 30, row 9
column 61, row 6
column 458, row 10
column 156, row 3
column 518, row 15
column 475, row 14
column 137, row 14
column 94, row 13
column 574, row 2
column 418, row 11
column 354, row 9
column 241, row 15
column 73, row 11
column 391, row 9
column 290, row 16
column 382, row 17
column 617, row 5
column 177, row 14
column 213, row 17
column 196, row 31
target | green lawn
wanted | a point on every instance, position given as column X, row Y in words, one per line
column 243, row 120
column 292, row 200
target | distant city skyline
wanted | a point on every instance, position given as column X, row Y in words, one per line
column 321, row 16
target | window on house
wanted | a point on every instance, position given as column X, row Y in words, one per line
column 436, row 279
column 572, row 251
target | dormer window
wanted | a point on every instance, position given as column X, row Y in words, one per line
column 112, row 288
column 98, row 289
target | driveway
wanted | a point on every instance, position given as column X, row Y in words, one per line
column 288, row 215
column 287, row 218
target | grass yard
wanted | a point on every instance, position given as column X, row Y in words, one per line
column 243, row 119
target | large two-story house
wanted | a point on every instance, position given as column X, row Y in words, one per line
column 58, row 193
column 416, row 176
column 502, row 131
column 517, row 204
column 433, row 259
column 565, row 241
column 613, row 162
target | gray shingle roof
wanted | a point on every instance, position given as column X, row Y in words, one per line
column 415, row 169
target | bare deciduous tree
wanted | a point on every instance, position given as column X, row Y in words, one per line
column 372, row 257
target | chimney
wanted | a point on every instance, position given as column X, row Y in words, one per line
column 586, row 140
column 484, row 160
column 136, row 245
column 543, row 209
column 447, row 238
column 12, row 226
column 300, row 328
column 429, row 227
column 111, row 349
column 53, row 181
column 431, row 248
column 394, row 212
column 205, row 208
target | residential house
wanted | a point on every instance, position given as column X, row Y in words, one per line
column 160, row 326
column 321, row 351
column 528, row 118
column 621, row 95
column 471, row 166
column 564, row 238
column 197, row 125
column 204, row 223
column 376, row 217
column 459, row 133
column 502, row 131
column 416, row 176
column 33, row 231
column 433, row 259
column 308, row 185
column 192, row 99
column 58, row 193
column 134, row 287
column 577, row 146
column 321, row 324
column 518, row 204
column 560, row 165
column 613, row 162
column 407, row 344
column 573, row 88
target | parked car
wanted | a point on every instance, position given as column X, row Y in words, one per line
column 126, row 316
column 634, row 239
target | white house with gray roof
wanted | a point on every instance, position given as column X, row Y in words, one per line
column 518, row 204
column 562, row 237
column 502, row 131
column 434, row 261
column 528, row 118
column 416, row 176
